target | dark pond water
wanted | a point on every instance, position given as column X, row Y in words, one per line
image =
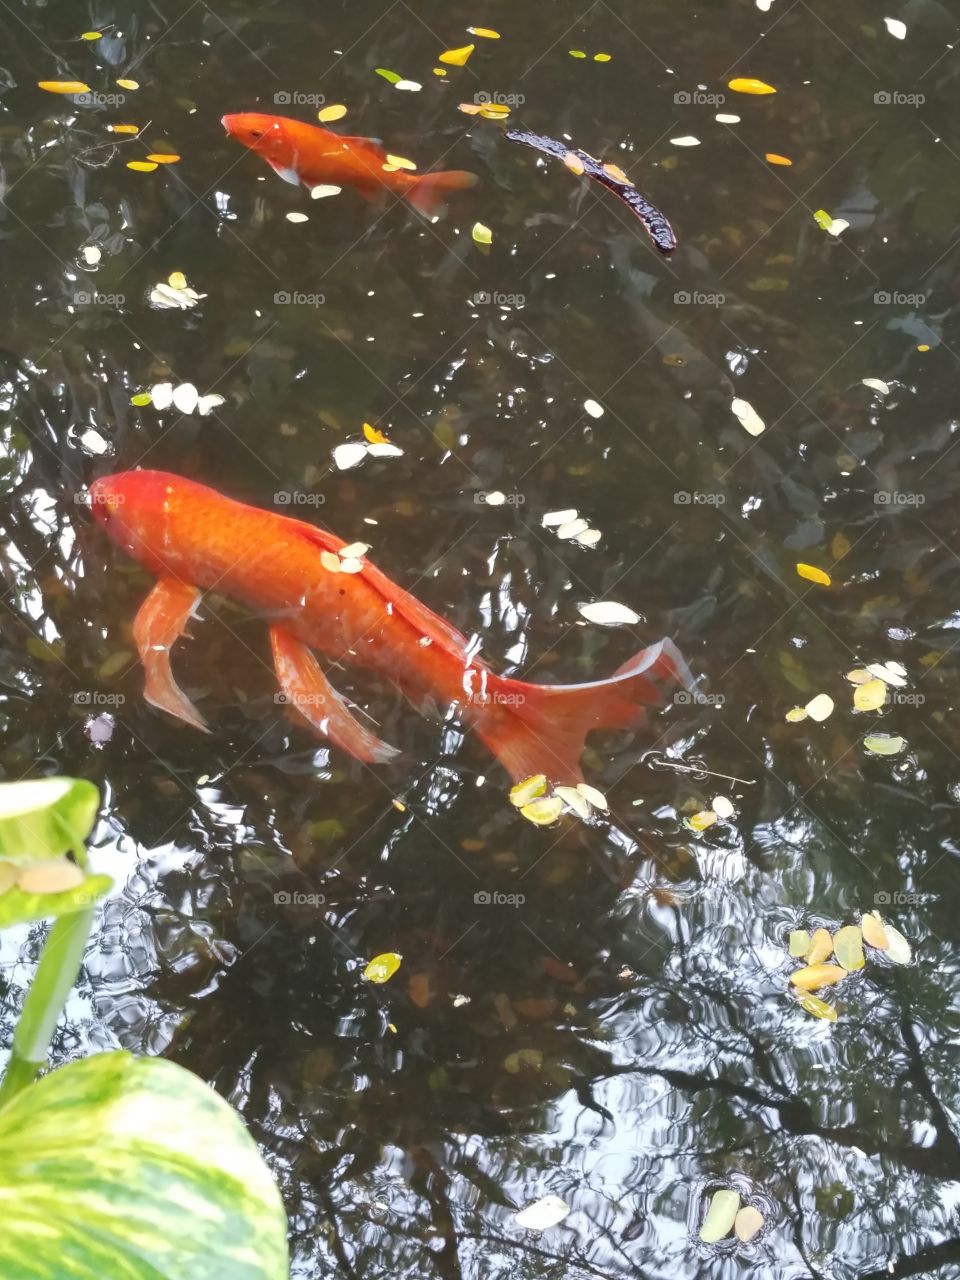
column 623, row 1038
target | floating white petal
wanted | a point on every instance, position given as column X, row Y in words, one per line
column 594, row 409
column 896, row 28
column 722, row 806
column 409, row 86
column 608, row 613
column 297, row 217
column 688, row 140
column 323, row 190
column 558, row 517
column 94, row 442
column 346, row 456
column 162, row 395
column 186, row 397
column 543, row 1213
column 573, row 528
column 207, row 404
column 91, row 254
column 876, row 385
column 384, row 450
column 748, row 417
column 725, row 119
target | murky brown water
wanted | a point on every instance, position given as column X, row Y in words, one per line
column 627, row 1041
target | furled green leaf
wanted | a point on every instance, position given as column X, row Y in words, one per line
column 720, row 1216
column 132, row 1168
column 44, row 818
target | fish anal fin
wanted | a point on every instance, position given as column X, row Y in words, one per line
column 314, row 698
column 159, row 623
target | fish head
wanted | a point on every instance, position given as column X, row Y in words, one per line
column 133, row 507
column 266, row 135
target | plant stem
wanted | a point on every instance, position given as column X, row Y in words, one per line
column 56, row 973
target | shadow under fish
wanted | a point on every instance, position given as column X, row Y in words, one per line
column 581, row 162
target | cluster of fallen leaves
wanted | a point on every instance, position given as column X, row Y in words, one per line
column 726, row 1216
column 871, row 688
column 570, row 526
column 542, row 805
column 846, row 947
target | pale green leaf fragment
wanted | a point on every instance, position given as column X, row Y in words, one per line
column 799, row 943
column 898, row 948
column 721, row 1216
column 848, row 948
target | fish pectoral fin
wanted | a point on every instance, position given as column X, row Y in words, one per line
column 159, row 623
column 310, row 693
column 288, row 174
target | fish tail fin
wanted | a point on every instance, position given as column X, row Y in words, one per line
column 535, row 728
column 427, row 193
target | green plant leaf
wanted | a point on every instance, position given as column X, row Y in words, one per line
column 17, row 907
column 132, row 1168
column 44, row 818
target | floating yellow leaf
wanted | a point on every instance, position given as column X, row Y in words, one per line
column 123, row 128
column 817, row 975
column 795, row 714
column 141, row 399
column 544, row 811
column 63, row 86
column 820, row 707
column 482, row 234
column 923, row 346
column 874, row 932
column 494, row 111
column 577, row 53
column 823, row 219
column 748, row 85
column 142, row 166
column 819, row 1008
column 602, row 57
column 382, row 968
column 859, row 676
column 177, row 280
column 870, row 696
column 485, row 32
column 614, row 171
column 163, row 157
column 884, row 744
column 336, row 111
column 92, row 35
column 129, row 84
column 700, row 821
column 799, row 943
column 400, row 162
column 721, row 1216
column 457, row 57
column 373, row 436
column 529, row 789
column 469, row 108
column 439, row 71
column 772, row 158
column 848, row 947
column 821, row 944
column 813, row 574
column 573, row 163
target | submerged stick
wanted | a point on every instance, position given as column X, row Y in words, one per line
column 656, row 225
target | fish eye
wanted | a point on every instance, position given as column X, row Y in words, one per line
column 256, row 133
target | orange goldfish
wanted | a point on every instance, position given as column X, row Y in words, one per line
column 320, row 594
column 305, row 153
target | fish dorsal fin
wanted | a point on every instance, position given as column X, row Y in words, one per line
column 424, row 620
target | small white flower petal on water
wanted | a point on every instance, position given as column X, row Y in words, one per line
column 543, row 1213
column 608, row 613
column 350, row 455
column 558, row 517
column 889, row 672
column 594, row 408
column 354, row 550
column 186, row 397
column 688, row 140
column 748, row 417
column 722, row 807
column 323, row 190
column 882, row 388
column 572, row 528
column 837, row 227
column 576, row 801
column 94, row 443
column 495, row 499
column 297, row 217
column 589, row 537
column 91, row 254
column 207, row 404
column 593, row 796
column 896, row 28
column 384, row 450
column 350, row 564
column 408, row 86
column 764, row 5
column 820, row 707
column 722, row 118
column 162, row 395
